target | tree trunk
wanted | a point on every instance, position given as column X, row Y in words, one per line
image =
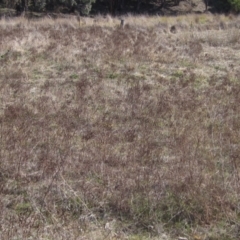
column 121, row 4
column 162, row 4
column 206, row 4
column 177, row 2
column 138, row 5
column 113, row 6
column 24, row 4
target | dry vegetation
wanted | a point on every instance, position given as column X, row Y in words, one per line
column 120, row 133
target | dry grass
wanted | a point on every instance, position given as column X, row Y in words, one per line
column 120, row 133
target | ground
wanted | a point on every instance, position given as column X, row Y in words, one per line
column 111, row 132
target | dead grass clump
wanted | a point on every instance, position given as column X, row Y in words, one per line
column 195, row 48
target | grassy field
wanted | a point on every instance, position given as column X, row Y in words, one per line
column 110, row 132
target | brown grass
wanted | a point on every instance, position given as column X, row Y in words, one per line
column 120, row 133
